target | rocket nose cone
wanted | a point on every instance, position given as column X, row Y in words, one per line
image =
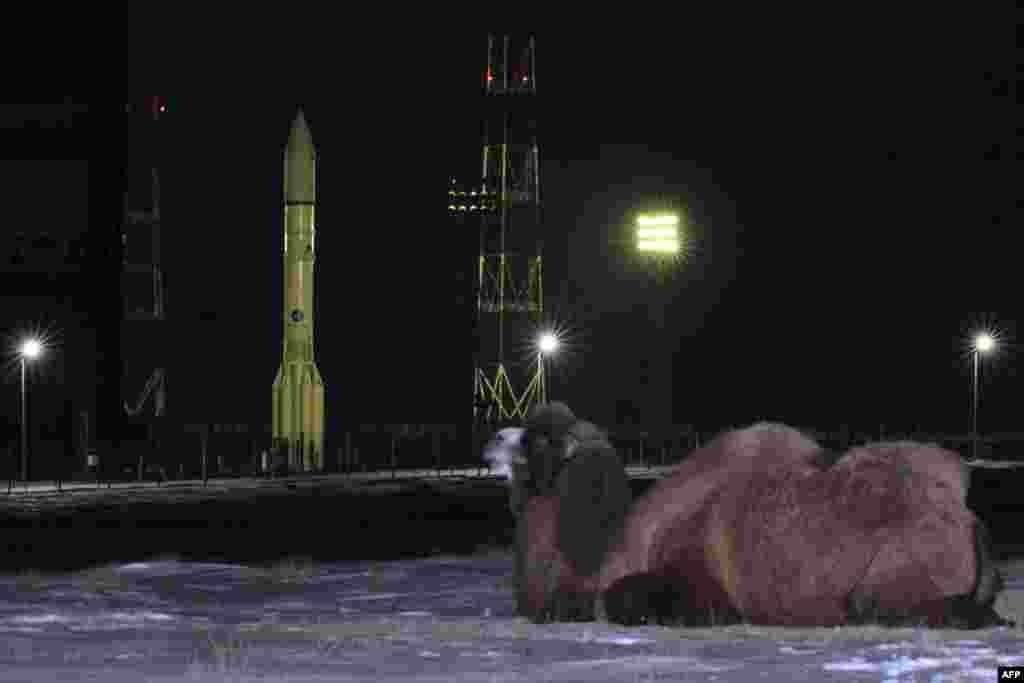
column 299, row 134
column 300, row 163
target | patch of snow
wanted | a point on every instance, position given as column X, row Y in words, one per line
column 854, row 664
column 904, row 665
column 289, row 604
column 374, row 596
column 622, row 640
column 645, row 664
column 136, row 566
column 454, row 644
column 207, row 587
column 22, row 629
column 42, row 619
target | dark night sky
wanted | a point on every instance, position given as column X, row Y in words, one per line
column 853, row 206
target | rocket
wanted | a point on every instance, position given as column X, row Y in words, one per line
column 298, row 394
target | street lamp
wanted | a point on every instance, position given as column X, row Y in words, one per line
column 547, row 344
column 30, row 350
column 983, row 343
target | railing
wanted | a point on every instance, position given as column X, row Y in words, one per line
column 203, row 451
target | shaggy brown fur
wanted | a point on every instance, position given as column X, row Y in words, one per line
column 549, row 588
column 760, row 524
column 753, row 522
column 570, row 495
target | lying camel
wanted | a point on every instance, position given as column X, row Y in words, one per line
column 760, row 525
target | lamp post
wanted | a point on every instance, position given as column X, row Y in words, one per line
column 29, row 350
column 983, row 343
column 547, row 344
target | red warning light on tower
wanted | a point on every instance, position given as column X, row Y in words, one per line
column 157, row 105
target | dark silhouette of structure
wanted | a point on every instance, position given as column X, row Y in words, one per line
column 83, row 284
column 145, row 325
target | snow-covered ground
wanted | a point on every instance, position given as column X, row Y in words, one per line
column 435, row 619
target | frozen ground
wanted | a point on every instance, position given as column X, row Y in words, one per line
column 437, row 619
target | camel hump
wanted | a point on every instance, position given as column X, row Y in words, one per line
column 929, row 460
column 763, row 440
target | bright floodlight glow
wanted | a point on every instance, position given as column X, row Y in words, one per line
column 660, row 219
column 548, row 343
column 659, row 246
column 658, row 234
column 655, row 233
column 31, row 348
column 984, row 342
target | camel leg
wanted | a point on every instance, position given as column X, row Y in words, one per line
column 899, row 590
column 649, row 598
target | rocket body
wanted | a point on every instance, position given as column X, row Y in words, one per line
column 298, row 393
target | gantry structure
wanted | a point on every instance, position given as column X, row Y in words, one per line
column 503, row 208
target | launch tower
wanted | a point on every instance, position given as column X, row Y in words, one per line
column 503, row 205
